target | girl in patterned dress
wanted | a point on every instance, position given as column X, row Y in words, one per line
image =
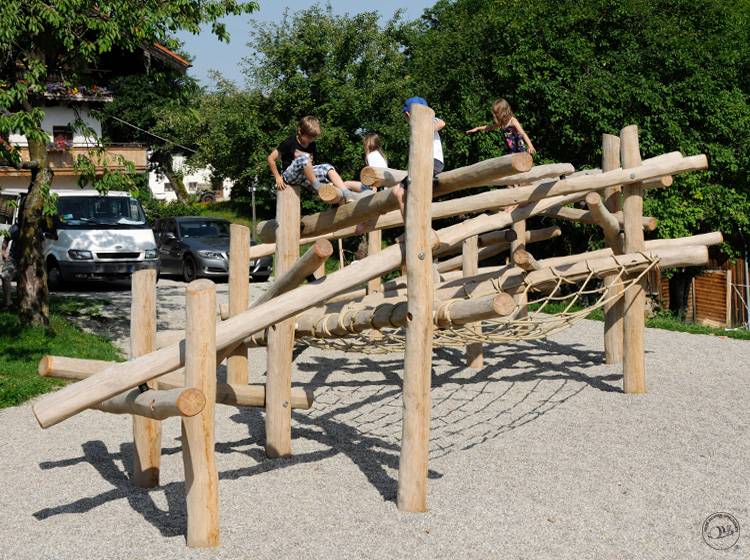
column 515, row 136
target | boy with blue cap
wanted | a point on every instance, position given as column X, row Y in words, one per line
column 437, row 151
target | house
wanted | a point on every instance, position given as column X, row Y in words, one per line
column 196, row 181
column 67, row 108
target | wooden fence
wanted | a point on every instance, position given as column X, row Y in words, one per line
column 716, row 297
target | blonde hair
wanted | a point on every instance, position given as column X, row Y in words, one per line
column 309, row 126
column 371, row 143
column 501, row 112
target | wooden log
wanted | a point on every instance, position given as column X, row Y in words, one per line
column 523, row 259
column 299, row 271
column 469, row 265
column 489, row 249
column 518, row 246
column 374, row 245
column 463, row 311
column 157, row 405
column 415, row 439
column 382, row 177
column 509, row 279
column 536, row 173
column 634, row 320
column 370, row 207
column 62, row 367
column 613, row 310
column 201, row 476
column 56, row 407
column 308, row 264
column 330, row 194
column 393, row 313
column 585, row 217
column 239, row 296
column 709, row 239
column 604, row 219
column 281, row 336
column 146, row 431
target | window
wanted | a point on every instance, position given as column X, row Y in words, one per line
column 192, row 185
column 62, row 136
column 168, row 187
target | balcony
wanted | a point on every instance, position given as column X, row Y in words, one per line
column 61, row 162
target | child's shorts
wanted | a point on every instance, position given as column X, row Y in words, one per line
column 295, row 173
column 437, row 169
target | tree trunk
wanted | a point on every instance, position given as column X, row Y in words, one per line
column 679, row 291
column 175, row 177
column 33, row 295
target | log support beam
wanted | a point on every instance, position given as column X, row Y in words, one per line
column 415, row 438
column 146, row 429
column 201, row 476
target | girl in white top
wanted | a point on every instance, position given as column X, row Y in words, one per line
column 374, row 155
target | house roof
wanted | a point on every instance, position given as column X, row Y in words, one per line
column 170, row 57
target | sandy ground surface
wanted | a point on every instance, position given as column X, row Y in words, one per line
column 537, row 455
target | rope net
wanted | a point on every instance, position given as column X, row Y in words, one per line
column 556, row 308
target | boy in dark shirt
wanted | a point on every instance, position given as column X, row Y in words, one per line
column 297, row 153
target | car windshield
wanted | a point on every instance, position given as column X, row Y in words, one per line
column 99, row 211
column 204, row 228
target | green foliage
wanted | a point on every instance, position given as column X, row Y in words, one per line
column 22, row 348
column 572, row 70
column 349, row 71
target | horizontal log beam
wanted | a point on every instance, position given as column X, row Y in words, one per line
column 370, row 207
column 492, row 245
column 156, row 404
column 230, row 394
column 586, row 217
column 511, row 279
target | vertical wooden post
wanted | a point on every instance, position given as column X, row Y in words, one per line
column 374, row 242
column 519, row 228
column 239, row 296
column 281, row 335
column 146, row 432
column 728, row 300
column 470, row 267
column 634, row 322
column 201, row 476
column 415, row 440
column 341, row 254
column 613, row 311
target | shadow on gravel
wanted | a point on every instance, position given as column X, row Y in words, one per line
column 361, row 419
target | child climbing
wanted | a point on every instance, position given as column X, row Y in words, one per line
column 297, row 153
column 374, row 156
column 437, row 152
column 515, row 136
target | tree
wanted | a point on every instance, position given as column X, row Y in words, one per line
column 141, row 100
column 349, row 71
column 39, row 38
column 572, row 70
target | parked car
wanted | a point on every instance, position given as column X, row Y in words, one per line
column 197, row 247
column 93, row 236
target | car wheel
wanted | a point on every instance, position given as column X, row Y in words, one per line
column 55, row 278
column 189, row 269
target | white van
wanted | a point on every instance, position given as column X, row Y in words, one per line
column 96, row 237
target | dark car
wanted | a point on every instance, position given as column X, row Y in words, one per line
column 195, row 247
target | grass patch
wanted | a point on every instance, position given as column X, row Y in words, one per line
column 661, row 320
column 21, row 349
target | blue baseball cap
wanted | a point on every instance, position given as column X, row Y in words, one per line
column 413, row 101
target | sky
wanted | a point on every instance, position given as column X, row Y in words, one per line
column 209, row 53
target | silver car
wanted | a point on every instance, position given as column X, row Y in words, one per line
column 198, row 247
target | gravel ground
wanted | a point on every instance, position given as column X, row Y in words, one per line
column 537, row 455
